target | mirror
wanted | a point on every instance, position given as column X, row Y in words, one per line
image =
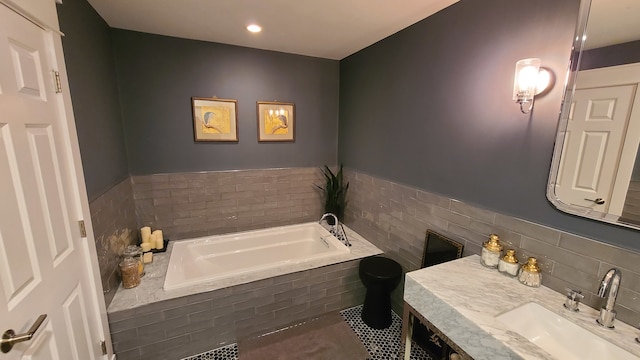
column 595, row 172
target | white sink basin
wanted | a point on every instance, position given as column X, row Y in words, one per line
column 558, row 336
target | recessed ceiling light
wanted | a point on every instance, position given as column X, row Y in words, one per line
column 254, row 28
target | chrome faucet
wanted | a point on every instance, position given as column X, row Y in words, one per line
column 609, row 290
column 336, row 229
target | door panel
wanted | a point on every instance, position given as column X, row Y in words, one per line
column 27, row 69
column 20, row 272
column 75, row 317
column 590, row 160
column 47, row 175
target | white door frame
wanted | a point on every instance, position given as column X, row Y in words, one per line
column 43, row 13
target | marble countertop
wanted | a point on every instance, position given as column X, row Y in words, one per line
column 462, row 299
column 150, row 289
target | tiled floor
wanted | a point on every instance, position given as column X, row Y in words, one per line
column 381, row 344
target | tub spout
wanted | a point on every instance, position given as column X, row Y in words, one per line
column 336, row 229
column 325, row 216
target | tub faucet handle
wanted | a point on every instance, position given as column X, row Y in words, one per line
column 573, row 299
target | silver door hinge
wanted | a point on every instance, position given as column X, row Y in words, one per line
column 103, row 346
column 83, row 229
column 56, row 82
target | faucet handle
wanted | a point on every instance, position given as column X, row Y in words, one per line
column 573, row 299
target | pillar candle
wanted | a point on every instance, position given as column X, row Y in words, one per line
column 144, row 233
column 147, row 257
column 145, row 246
column 159, row 243
column 158, row 234
column 152, row 241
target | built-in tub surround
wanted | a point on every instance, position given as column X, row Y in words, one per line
column 114, row 227
column 147, row 320
column 213, row 258
column 453, row 296
column 195, row 204
column 394, row 217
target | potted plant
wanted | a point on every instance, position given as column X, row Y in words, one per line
column 335, row 192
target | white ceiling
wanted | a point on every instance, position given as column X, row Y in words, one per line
column 332, row 29
column 613, row 22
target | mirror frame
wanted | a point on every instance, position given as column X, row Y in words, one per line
column 567, row 99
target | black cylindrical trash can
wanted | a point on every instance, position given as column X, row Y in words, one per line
column 380, row 275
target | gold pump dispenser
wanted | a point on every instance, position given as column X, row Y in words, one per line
column 491, row 250
column 530, row 273
column 508, row 264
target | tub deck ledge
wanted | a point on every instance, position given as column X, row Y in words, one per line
column 151, row 289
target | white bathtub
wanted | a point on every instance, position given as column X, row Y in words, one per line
column 212, row 258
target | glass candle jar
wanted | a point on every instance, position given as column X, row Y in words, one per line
column 530, row 273
column 129, row 271
column 508, row 264
column 491, row 250
column 135, row 252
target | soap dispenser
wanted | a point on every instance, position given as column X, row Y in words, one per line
column 491, row 250
column 508, row 264
column 530, row 273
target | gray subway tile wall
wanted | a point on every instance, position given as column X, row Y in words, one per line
column 114, row 227
column 187, row 205
column 395, row 217
column 392, row 216
column 190, row 325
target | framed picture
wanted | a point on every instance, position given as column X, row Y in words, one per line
column 215, row 119
column 276, row 121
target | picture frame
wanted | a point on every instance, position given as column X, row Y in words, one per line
column 215, row 119
column 276, row 121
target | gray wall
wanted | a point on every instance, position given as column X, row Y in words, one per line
column 92, row 77
column 613, row 55
column 431, row 107
column 158, row 75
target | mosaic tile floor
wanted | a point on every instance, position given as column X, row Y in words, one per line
column 381, row 344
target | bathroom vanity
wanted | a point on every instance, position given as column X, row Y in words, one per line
column 480, row 313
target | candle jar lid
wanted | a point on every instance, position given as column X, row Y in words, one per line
column 510, row 257
column 531, row 265
column 132, row 250
column 493, row 244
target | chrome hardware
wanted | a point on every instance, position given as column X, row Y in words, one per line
column 336, row 229
column 609, row 290
column 573, row 299
column 9, row 338
column 598, row 201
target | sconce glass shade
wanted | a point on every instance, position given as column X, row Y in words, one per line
column 526, row 80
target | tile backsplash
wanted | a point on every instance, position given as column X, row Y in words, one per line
column 114, row 227
column 395, row 217
column 392, row 216
column 188, row 205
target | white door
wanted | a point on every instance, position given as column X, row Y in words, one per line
column 593, row 144
column 43, row 258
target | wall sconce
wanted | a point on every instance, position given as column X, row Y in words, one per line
column 529, row 81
